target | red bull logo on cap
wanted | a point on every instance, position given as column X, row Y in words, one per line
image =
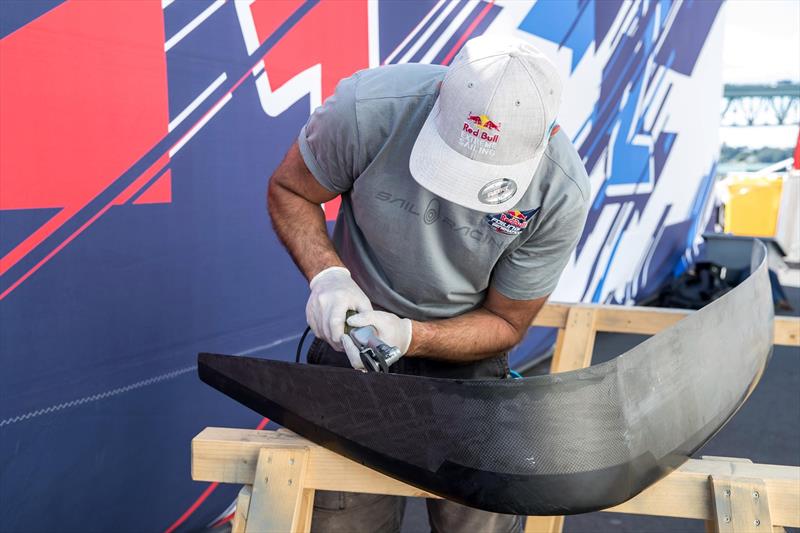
column 483, row 122
column 479, row 133
column 511, row 222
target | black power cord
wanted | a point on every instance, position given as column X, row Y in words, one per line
column 300, row 345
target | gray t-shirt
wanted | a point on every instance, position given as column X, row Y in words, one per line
column 416, row 254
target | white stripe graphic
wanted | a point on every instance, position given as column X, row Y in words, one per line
column 373, row 39
column 413, row 32
column 270, row 345
column 186, row 138
column 247, row 25
column 426, row 35
column 183, row 32
column 451, row 29
column 308, row 82
column 126, row 388
column 166, row 3
column 96, row 397
column 197, row 101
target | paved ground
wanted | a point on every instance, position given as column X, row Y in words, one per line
column 765, row 430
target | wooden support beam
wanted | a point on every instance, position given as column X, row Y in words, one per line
column 574, row 347
column 787, row 330
column 306, row 511
column 647, row 320
column 544, row 524
column 559, row 344
column 230, row 456
column 279, row 478
column 242, row 507
column 578, row 340
column 685, row 493
column 552, row 315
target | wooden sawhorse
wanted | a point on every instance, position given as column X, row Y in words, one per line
column 281, row 471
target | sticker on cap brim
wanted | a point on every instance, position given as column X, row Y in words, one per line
column 497, row 191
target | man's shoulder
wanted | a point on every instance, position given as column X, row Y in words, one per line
column 392, row 102
column 398, row 82
column 563, row 164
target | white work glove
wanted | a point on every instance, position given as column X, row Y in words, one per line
column 391, row 329
column 333, row 293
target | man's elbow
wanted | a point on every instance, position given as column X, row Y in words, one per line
column 518, row 335
column 513, row 335
column 274, row 190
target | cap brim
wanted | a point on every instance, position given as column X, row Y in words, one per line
column 459, row 179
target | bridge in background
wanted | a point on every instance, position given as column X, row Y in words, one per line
column 761, row 105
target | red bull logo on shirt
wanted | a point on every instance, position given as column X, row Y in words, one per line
column 511, row 222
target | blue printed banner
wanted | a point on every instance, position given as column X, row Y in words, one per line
column 136, row 142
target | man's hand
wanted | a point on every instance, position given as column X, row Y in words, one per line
column 391, row 329
column 333, row 293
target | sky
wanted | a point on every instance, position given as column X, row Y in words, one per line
column 761, row 45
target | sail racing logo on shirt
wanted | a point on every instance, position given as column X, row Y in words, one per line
column 511, row 222
column 479, row 134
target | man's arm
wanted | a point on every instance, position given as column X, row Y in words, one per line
column 294, row 194
column 497, row 326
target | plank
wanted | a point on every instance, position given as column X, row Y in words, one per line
column 552, row 315
column 275, row 504
column 648, row 320
column 578, row 340
column 787, row 330
column 242, row 507
column 230, row 455
column 638, row 320
column 559, row 343
column 685, row 493
column 574, row 347
column 544, row 524
column 725, row 458
column 306, row 511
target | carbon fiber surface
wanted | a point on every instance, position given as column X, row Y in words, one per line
column 558, row 444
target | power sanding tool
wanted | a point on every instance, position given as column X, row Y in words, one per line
column 376, row 355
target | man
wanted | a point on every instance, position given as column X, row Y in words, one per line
column 461, row 204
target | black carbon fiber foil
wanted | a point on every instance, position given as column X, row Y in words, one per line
column 558, row 444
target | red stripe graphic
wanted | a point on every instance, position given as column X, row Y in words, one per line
column 83, row 93
column 87, row 150
column 467, row 33
column 205, row 494
column 140, row 182
column 192, row 508
column 344, row 22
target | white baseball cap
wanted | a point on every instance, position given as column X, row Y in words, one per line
column 489, row 127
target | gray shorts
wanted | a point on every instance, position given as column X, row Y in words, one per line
column 348, row 512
